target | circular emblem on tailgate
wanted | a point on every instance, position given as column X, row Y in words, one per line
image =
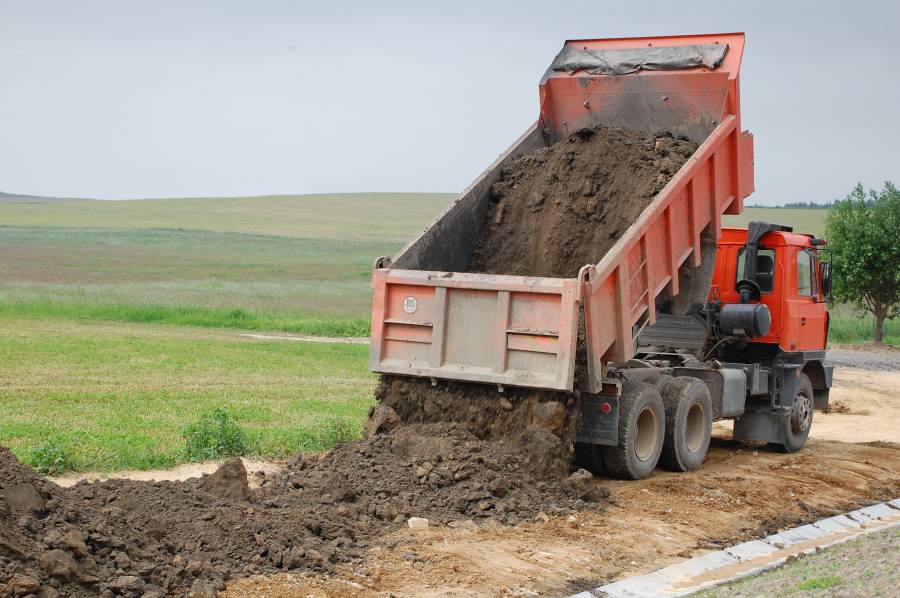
column 410, row 305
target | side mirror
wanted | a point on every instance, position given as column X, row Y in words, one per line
column 825, row 277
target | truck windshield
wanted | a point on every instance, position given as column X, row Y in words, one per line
column 765, row 268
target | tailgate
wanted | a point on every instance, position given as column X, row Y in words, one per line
column 508, row 330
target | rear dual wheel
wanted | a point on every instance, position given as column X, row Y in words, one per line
column 671, row 428
column 688, row 424
column 641, row 433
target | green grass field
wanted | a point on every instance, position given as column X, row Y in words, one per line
column 119, row 320
column 381, row 217
column 205, row 262
column 804, row 220
column 116, row 318
column 117, row 395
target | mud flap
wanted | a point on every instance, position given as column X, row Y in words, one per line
column 767, row 425
column 598, row 420
column 820, row 395
column 789, row 377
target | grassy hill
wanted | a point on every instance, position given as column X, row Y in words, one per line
column 29, row 199
column 291, row 263
column 382, row 217
column 804, row 220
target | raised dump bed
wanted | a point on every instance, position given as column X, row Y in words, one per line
column 434, row 318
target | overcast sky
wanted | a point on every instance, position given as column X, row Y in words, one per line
column 160, row 99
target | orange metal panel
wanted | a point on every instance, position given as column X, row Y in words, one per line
column 530, row 312
column 424, row 308
column 510, row 330
column 640, row 265
column 691, row 101
column 534, row 343
column 407, row 332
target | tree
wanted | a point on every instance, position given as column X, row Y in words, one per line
column 863, row 232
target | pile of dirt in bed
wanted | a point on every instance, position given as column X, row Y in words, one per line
column 129, row 538
column 565, row 205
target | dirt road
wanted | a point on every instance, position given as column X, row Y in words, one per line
column 740, row 493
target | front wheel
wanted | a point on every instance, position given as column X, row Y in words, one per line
column 798, row 424
column 642, row 422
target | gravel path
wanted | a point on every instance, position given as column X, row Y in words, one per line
column 882, row 360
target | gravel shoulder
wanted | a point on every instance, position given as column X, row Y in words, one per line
column 880, row 359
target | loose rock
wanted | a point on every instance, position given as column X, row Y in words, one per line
column 417, row 523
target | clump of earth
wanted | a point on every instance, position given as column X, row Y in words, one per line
column 130, row 538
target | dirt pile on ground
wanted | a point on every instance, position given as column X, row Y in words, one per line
column 565, row 205
column 129, row 538
column 486, row 412
column 544, row 416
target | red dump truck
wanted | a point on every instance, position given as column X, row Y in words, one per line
column 684, row 321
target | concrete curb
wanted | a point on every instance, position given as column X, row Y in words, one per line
column 752, row 557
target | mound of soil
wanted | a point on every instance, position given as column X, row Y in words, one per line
column 565, row 205
column 121, row 537
column 489, row 415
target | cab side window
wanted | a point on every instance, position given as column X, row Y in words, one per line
column 806, row 285
column 765, row 268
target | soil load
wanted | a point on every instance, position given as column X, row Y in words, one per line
column 129, row 538
column 565, row 206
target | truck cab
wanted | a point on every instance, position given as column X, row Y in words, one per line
column 770, row 265
column 790, row 281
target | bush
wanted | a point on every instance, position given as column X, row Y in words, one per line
column 51, row 457
column 337, row 430
column 216, row 435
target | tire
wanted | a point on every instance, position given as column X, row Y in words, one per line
column 797, row 426
column 688, row 424
column 642, row 422
column 659, row 382
column 590, row 456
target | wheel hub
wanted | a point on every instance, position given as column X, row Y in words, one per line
column 645, row 437
column 801, row 415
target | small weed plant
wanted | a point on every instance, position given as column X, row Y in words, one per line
column 820, row 583
column 216, row 435
column 337, row 430
column 51, row 457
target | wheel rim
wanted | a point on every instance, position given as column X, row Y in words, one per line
column 801, row 415
column 645, row 437
column 695, row 428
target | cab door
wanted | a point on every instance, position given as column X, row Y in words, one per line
column 806, row 313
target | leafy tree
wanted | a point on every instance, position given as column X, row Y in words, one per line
column 863, row 232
